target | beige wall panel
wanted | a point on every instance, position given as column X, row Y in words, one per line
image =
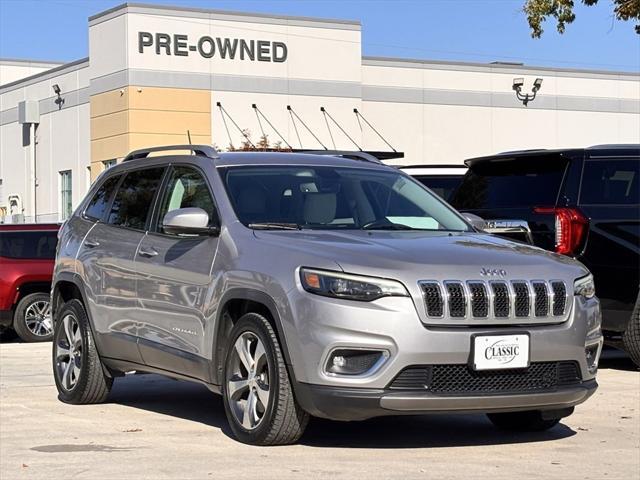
column 175, row 99
column 109, row 125
column 110, row 102
column 108, row 148
column 143, row 140
column 170, row 122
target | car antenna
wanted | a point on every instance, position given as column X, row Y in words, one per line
column 189, row 137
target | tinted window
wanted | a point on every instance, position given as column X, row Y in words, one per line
column 441, row 185
column 28, row 245
column 336, row 198
column 187, row 188
column 133, row 200
column 98, row 204
column 611, row 182
column 522, row 182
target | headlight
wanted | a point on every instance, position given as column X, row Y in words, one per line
column 350, row 287
column 584, row 286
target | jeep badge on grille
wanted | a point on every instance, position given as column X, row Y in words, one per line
column 493, row 272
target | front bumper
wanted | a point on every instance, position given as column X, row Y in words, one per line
column 337, row 403
column 6, row 318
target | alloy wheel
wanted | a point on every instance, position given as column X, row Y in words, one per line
column 37, row 318
column 69, row 352
column 248, row 387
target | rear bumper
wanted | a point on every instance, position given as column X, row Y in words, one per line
column 339, row 403
column 6, row 318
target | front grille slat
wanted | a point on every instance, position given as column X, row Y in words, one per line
column 559, row 297
column 521, row 304
column 541, row 299
column 479, row 299
column 433, row 299
column 461, row 380
column 457, row 299
column 501, row 301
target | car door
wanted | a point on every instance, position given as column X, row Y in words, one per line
column 107, row 257
column 174, row 280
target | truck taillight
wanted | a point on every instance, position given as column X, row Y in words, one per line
column 571, row 228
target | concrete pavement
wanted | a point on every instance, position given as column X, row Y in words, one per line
column 158, row 428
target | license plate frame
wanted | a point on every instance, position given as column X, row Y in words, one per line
column 480, row 342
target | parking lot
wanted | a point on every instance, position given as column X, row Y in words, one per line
column 154, row 427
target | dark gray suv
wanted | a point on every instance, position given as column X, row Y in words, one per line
column 308, row 284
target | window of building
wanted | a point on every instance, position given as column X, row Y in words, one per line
column 109, row 163
column 66, row 199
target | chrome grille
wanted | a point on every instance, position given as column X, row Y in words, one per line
column 501, row 301
column 521, row 306
column 457, row 299
column 433, row 299
column 479, row 299
column 535, row 301
column 559, row 297
column 541, row 299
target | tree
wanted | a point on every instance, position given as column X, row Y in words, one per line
column 537, row 12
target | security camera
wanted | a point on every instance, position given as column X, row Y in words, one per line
column 56, row 88
column 518, row 83
column 537, row 84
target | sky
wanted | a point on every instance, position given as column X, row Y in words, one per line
column 460, row 30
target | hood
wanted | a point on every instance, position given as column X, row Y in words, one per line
column 427, row 255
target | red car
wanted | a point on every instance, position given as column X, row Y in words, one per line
column 27, row 255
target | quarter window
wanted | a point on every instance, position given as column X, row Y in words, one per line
column 97, row 206
column 133, row 201
column 611, row 182
column 187, row 188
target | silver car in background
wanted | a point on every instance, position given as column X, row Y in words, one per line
column 307, row 284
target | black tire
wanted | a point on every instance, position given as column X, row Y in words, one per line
column 631, row 336
column 283, row 421
column 529, row 421
column 39, row 333
column 91, row 384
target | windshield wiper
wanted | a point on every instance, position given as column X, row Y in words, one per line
column 275, row 226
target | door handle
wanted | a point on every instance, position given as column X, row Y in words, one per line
column 91, row 243
column 147, row 252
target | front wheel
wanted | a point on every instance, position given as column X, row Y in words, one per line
column 32, row 318
column 529, row 421
column 77, row 368
column 631, row 336
column 257, row 392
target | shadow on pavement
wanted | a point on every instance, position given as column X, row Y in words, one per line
column 195, row 403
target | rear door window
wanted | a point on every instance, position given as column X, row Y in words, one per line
column 511, row 183
column 441, row 185
column 97, row 206
column 611, row 181
column 134, row 199
column 28, row 245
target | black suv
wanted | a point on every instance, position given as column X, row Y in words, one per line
column 584, row 203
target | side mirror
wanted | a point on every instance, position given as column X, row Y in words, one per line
column 477, row 222
column 188, row 221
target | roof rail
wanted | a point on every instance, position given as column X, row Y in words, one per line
column 352, row 154
column 202, row 150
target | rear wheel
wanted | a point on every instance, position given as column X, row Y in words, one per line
column 631, row 336
column 258, row 397
column 32, row 318
column 77, row 368
column 529, row 421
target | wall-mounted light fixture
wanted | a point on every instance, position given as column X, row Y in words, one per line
column 58, row 101
column 525, row 98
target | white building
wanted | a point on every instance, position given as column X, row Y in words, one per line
column 155, row 75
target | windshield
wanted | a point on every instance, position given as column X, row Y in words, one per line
column 335, row 198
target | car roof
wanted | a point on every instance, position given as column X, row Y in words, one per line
column 29, row 227
column 434, row 165
column 596, row 150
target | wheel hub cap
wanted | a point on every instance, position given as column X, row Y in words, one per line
column 68, row 351
column 37, row 318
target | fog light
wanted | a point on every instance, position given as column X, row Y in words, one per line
column 354, row 362
column 591, row 355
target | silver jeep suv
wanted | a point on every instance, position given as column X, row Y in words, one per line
column 306, row 284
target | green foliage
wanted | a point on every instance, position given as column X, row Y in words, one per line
column 537, row 12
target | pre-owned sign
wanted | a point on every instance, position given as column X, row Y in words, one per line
column 209, row 47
